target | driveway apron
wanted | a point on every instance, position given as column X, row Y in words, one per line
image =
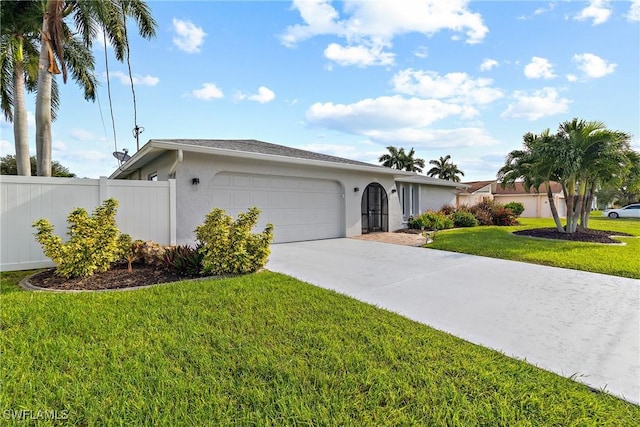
column 577, row 324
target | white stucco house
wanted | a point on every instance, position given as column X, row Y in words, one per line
column 306, row 195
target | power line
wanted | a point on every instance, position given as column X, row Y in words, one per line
column 137, row 130
column 106, row 62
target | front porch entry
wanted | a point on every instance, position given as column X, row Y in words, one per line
column 375, row 209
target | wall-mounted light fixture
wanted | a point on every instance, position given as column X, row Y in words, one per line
column 356, row 189
column 195, row 181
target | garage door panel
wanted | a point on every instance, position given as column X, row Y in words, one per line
column 299, row 208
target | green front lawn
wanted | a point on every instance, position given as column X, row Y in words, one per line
column 265, row 349
column 498, row 242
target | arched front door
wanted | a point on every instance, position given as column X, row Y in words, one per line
column 375, row 209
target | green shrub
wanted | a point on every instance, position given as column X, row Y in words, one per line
column 415, row 223
column 229, row 247
column 435, row 221
column 94, row 241
column 515, row 207
column 184, row 260
column 464, row 219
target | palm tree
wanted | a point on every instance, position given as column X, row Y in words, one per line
column 18, row 68
column 589, row 153
column 533, row 167
column 394, row 159
column 445, row 169
column 19, row 58
column 401, row 160
column 580, row 156
column 88, row 17
column 411, row 164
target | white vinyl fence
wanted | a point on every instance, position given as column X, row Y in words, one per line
column 147, row 211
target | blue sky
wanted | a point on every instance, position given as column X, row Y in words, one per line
column 350, row 78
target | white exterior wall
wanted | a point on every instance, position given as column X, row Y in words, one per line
column 146, row 211
column 194, row 202
column 433, row 197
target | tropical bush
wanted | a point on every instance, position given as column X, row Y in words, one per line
column 463, row 218
column 229, row 247
column 94, row 241
column 447, row 210
column 515, row 207
column 431, row 220
column 503, row 216
column 149, row 252
column 184, row 260
column 489, row 212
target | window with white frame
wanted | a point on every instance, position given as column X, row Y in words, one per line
column 415, row 200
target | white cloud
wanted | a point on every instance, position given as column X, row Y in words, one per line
column 370, row 26
column 147, row 80
column 593, row 66
column 361, row 55
column 488, row 64
column 423, row 51
column 85, row 135
column 598, row 10
column 540, row 11
column 386, row 112
column 207, row 92
column 539, row 68
column 435, row 138
column 542, row 103
column 319, row 18
column 634, row 11
column 399, row 121
column 189, row 37
column 456, row 87
column 263, row 96
column 543, row 10
column 572, row 78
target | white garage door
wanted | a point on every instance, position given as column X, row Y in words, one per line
column 299, row 208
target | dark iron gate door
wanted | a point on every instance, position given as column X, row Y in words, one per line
column 375, row 209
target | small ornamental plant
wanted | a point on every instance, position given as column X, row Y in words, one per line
column 94, row 241
column 229, row 247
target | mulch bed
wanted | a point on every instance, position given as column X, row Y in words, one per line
column 116, row 278
column 143, row 275
column 581, row 235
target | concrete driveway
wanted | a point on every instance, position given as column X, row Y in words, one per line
column 574, row 323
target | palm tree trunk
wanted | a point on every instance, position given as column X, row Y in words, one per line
column 570, row 200
column 43, row 103
column 20, row 128
column 554, row 209
column 587, row 205
column 579, row 204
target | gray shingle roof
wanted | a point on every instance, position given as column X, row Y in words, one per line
column 261, row 147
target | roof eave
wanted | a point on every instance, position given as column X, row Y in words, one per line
column 173, row 146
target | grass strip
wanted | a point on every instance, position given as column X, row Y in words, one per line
column 498, row 242
column 265, row 349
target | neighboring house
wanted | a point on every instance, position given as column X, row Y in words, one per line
column 306, row 195
column 536, row 204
